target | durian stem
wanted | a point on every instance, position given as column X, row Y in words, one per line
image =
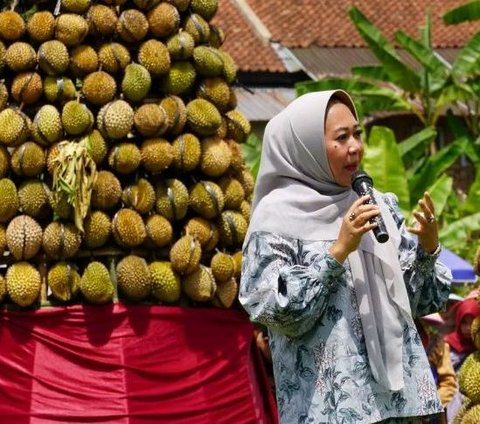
column 13, row 5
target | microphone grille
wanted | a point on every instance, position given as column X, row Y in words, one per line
column 359, row 177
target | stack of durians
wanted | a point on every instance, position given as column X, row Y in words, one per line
column 121, row 175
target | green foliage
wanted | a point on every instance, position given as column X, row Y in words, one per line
column 252, row 150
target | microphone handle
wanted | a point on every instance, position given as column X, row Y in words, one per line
column 380, row 231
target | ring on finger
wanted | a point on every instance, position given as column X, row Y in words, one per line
column 431, row 219
column 351, row 217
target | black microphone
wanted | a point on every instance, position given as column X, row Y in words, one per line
column 362, row 185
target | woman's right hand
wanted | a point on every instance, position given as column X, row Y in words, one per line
column 355, row 224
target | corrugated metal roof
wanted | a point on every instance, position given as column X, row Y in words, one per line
column 264, row 103
column 318, row 62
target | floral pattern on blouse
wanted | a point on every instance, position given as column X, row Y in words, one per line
column 307, row 300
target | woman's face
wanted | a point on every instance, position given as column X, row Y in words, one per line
column 466, row 327
column 343, row 143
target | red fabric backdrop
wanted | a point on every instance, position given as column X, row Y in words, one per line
column 131, row 364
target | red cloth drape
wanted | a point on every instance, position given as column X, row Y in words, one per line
column 130, row 364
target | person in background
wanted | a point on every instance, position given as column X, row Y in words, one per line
column 438, row 354
column 461, row 344
column 338, row 305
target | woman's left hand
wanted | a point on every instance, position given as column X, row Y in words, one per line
column 425, row 226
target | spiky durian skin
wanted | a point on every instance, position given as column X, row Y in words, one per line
column 166, row 284
column 9, row 203
column 163, row 20
column 102, row 20
column 12, row 25
column 27, row 87
column 157, row 155
column 96, row 285
column 124, row 158
column 154, row 56
column 24, row 237
column 106, row 192
column 41, row 26
column 113, row 57
column 132, row 26
column 128, row 228
column 185, row 255
column 200, row 285
column 61, row 240
column 63, row 279
column 23, row 283
column 97, row 229
column 115, row 119
column 134, row 278
column 53, row 57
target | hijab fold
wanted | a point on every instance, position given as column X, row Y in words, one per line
column 297, row 196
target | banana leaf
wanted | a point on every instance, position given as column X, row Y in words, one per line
column 412, row 147
column 370, row 72
column 252, row 152
column 471, row 204
column 454, row 235
column 399, row 73
column 383, row 163
column 464, row 13
column 434, row 167
column 440, row 192
column 467, row 60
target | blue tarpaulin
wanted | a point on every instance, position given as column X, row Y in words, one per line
column 462, row 271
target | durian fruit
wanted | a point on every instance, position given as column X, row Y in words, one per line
column 24, row 237
column 96, row 285
column 9, row 203
column 47, row 125
column 115, row 119
column 166, row 284
column 163, row 20
column 185, row 255
column 97, row 146
column 28, row 160
column 64, row 281
column 217, row 36
column 3, row 50
column 246, row 210
column 171, row 199
column 180, row 46
column 237, row 257
column 176, row 112
column 113, row 57
column 222, row 266
column 41, row 26
column 157, row 155
column 226, row 294
column 128, row 228
column 3, row 288
column 139, row 196
column 205, row 231
column 53, row 57
column 236, row 163
column 179, row 79
column 58, row 89
column 20, row 57
column 4, row 162
column 27, row 87
column 203, row 117
column 146, row 4
column 124, row 158
column 3, row 241
column 233, row 228
column 207, row 61
column 187, row 151
column 206, row 199
column 198, row 28
column 476, row 332
column 233, row 192
column 150, row 120
column 181, row 5
column 3, row 95
column 84, row 60
column 77, row 118
column 200, row 285
column 23, row 283
column 215, row 90
column 97, row 229
column 154, row 56
column 134, row 278
column 247, row 180
column 159, row 231
column 102, row 20
column 12, row 25
column 132, row 26
column 461, row 416
column 229, row 67
column 14, row 127
column 216, row 157
column 136, row 82
column 238, row 126
column 468, row 377
column 106, row 192
column 205, row 8
column 75, row 6
column 33, row 198
column 61, row 240
column 70, row 29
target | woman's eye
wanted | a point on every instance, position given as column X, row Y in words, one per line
column 358, row 134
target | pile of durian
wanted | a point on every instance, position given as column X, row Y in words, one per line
column 121, row 174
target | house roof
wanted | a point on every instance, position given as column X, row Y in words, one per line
column 257, row 30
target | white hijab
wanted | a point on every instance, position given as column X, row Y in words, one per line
column 296, row 196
